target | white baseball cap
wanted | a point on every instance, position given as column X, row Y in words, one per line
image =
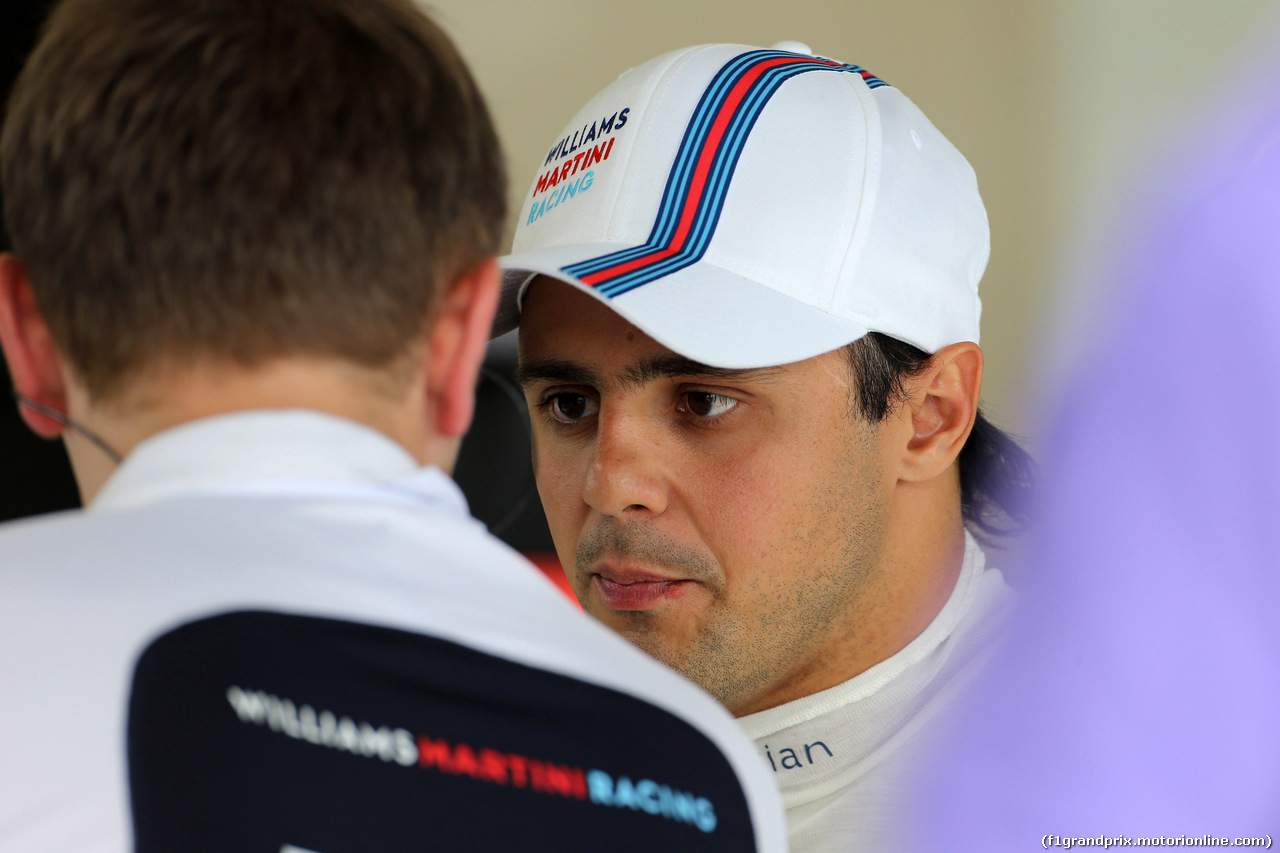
column 748, row 207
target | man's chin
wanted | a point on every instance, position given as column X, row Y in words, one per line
column 648, row 638
column 655, row 647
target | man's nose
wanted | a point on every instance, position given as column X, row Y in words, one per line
column 626, row 476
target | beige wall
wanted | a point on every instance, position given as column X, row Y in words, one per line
column 1054, row 102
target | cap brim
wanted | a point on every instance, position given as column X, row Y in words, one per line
column 703, row 312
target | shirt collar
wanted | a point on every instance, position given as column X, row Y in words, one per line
column 267, row 450
column 863, row 720
column 867, row 683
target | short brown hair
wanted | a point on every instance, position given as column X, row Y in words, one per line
column 245, row 179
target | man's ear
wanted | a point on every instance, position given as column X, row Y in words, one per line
column 457, row 345
column 942, row 405
column 34, row 362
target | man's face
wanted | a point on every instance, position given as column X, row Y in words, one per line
column 728, row 522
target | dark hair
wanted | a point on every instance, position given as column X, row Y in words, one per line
column 996, row 474
column 245, row 179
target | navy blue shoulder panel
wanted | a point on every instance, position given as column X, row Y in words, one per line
column 255, row 731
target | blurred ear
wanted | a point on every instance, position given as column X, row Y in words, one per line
column 33, row 359
column 942, row 405
column 457, row 346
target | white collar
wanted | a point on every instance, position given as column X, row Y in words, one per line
column 297, row 452
column 862, row 721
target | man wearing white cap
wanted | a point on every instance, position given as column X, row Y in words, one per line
column 746, row 282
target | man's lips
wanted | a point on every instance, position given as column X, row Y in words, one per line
column 631, row 590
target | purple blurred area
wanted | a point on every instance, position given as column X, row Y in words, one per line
column 1139, row 694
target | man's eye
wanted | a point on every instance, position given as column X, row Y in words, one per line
column 568, row 407
column 707, row 405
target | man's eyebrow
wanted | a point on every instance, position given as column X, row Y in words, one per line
column 671, row 366
column 650, row 369
column 555, row 370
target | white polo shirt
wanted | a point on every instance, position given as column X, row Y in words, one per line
column 843, row 757
column 286, row 635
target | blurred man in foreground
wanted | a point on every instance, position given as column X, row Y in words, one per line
column 253, row 281
column 1139, row 693
column 746, row 285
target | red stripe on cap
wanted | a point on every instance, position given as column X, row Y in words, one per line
column 705, row 159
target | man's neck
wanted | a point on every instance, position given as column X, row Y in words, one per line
column 924, row 556
column 394, row 402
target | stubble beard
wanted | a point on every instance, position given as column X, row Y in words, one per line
column 742, row 655
column 635, row 541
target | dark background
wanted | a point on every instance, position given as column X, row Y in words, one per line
column 34, row 473
column 493, row 469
